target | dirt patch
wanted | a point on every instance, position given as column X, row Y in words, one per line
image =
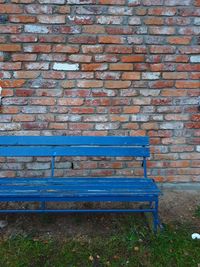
column 175, row 206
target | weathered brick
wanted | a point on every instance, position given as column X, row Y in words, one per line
column 83, row 40
column 112, row 2
column 81, row 20
column 23, row 38
column 92, row 49
column 51, row 19
column 162, row 30
column 36, row 29
column 22, row 19
column 118, row 49
column 37, row 48
column 116, row 20
column 162, row 49
column 38, row 9
column 93, row 29
column 10, row 9
column 10, row 29
column 36, row 66
column 106, row 58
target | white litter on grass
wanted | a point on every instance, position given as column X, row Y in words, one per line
column 3, row 224
column 195, row 236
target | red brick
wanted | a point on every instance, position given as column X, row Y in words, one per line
column 24, row 92
column 197, row 3
column 192, row 125
column 162, row 49
column 83, row 40
column 26, row 74
column 65, row 49
column 175, row 75
column 179, row 40
column 187, row 84
column 119, row 30
column 117, row 84
column 93, row 29
column 118, row 49
column 23, row 38
column 131, row 76
column 92, row 49
column 154, row 21
column 22, row 19
column 111, row 39
column 53, row 75
column 132, row 110
column 10, row 8
column 121, row 66
column 136, row 58
column 82, row 110
column 10, row 47
column 161, row 84
column 188, row 67
column 52, row 39
column 24, row 57
column 11, row 83
column 23, row 117
column 88, row 84
column 162, row 11
column 172, row 92
column 9, row 110
column 42, row 101
column 93, row 67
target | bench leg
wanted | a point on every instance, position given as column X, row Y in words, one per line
column 42, row 205
column 155, row 217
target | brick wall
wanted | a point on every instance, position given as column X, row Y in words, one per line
column 106, row 67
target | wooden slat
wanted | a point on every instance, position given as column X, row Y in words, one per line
column 69, row 187
column 21, row 151
column 75, row 140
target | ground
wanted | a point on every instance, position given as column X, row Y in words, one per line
column 175, row 207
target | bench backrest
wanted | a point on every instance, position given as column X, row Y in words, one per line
column 111, row 146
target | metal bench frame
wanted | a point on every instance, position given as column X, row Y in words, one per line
column 79, row 189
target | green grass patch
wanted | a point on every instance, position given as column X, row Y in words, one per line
column 197, row 212
column 129, row 244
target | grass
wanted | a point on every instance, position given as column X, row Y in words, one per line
column 129, row 244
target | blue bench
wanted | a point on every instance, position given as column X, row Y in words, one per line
column 79, row 189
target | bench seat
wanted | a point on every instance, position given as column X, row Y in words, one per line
column 76, row 189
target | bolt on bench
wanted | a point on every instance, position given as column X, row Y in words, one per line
column 77, row 189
